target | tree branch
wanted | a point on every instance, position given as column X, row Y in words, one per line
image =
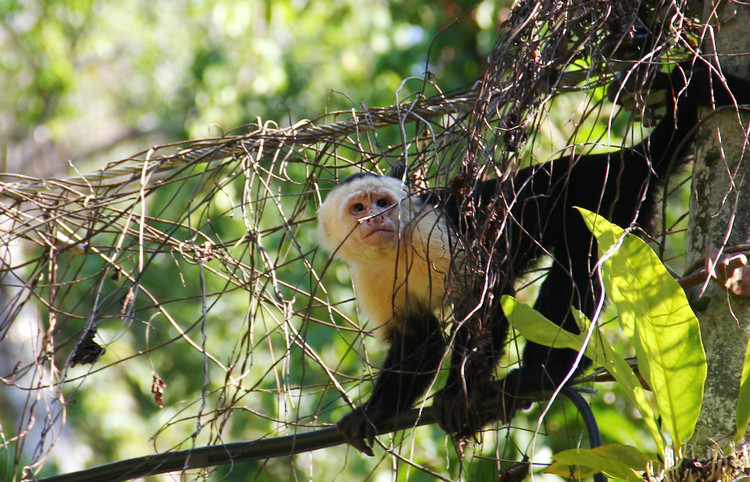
column 232, row 453
column 214, row 455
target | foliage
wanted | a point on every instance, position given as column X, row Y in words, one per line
column 655, row 316
column 743, row 401
column 617, row 461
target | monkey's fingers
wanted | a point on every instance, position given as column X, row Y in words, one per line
column 460, row 415
column 453, row 416
column 370, row 435
column 444, row 412
column 355, row 428
column 361, row 445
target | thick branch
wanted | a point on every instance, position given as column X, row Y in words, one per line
column 232, row 453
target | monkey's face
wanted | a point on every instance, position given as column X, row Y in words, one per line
column 375, row 213
column 360, row 219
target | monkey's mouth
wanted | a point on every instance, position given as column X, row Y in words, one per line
column 377, row 233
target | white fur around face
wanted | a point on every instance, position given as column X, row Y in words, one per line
column 408, row 271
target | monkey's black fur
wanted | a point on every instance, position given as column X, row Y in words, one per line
column 539, row 202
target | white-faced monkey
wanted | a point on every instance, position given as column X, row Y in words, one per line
column 406, row 251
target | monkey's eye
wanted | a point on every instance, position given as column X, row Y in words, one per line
column 358, row 208
column 382, row 203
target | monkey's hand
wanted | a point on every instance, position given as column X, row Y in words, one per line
column 358, row 429
column 463, row 413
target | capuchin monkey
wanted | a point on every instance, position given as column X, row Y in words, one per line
column 407, row 255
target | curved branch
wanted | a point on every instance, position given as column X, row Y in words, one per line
column 215, row 455
column 231, row 453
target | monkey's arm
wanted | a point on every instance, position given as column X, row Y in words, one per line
column 410, row 366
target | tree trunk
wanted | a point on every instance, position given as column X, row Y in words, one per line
column 720, row 217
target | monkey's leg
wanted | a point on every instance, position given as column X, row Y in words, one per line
column 411, row 364
column 570, row 282
column 478, row 344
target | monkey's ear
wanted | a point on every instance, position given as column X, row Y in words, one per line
column 398, row 170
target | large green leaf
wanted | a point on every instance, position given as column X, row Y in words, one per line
column 616, row 461
column 666, row 333
column 535, row 327
column 743, row 402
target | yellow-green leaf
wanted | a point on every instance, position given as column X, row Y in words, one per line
column 616, row 461
column 743, row 401
column 665, row 332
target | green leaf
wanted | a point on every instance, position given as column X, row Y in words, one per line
column 535, row 327
column 616, row 461
column 743, row 402
column 665, row 332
